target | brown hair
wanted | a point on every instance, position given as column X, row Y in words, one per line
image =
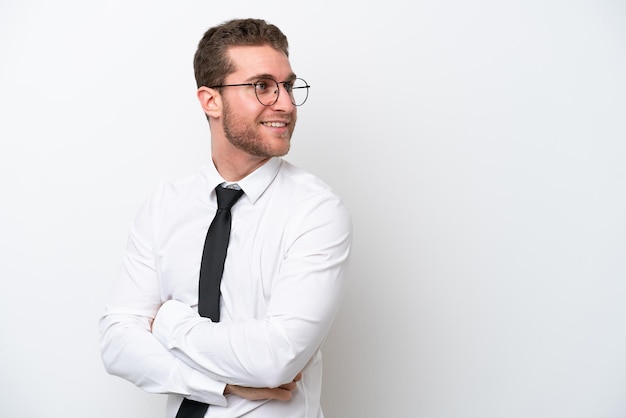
column 211, row 63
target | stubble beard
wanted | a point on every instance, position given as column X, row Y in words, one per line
column 247, row 138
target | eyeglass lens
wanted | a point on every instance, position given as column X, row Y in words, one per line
column 267, row 91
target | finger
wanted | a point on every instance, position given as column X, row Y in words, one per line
column 278, row 394
column 289, row 386
column 257, row 394
column 298, row 377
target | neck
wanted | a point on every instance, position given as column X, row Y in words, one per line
column 235, row 164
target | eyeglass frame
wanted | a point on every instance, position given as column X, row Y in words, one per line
column 306, row 85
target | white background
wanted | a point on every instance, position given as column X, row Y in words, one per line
column 479, row 145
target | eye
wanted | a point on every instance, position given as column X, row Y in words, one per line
column 288, row 86
column 261, row 86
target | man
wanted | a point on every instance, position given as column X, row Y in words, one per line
column 283, row 276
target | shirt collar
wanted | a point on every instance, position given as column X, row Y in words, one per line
column 254, row 184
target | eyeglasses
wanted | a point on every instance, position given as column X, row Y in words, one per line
column 267, row 90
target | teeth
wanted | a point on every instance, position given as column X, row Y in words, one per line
column 275, row 124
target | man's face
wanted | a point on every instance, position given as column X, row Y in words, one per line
column 261, row 131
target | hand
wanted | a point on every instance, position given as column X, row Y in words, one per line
column 281, row 393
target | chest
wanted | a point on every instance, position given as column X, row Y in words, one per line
column 256, row 250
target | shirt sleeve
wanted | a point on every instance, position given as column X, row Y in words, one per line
column 305, row 297
column 128, row 347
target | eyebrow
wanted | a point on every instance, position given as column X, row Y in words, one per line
column 258, row 76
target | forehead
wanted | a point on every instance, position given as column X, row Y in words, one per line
column 254, row 61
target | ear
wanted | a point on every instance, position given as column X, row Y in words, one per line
column 210, row 101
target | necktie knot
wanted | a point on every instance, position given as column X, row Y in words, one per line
column 227, row 197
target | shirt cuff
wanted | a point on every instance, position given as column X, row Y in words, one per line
column 172, row 317
column 205, row 389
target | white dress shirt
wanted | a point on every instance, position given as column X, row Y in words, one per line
column 282, row 285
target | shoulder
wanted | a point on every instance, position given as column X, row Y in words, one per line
column 306, row 195
column 302, row 182
column 180, row 187
column 176, row 195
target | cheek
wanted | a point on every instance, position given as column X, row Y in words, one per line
column 247, row 103
column 243, row 113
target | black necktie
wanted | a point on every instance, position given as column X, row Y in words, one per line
column 211, row 269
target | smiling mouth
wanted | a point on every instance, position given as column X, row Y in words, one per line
column 275, row 124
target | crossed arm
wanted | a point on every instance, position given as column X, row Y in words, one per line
column 280, row 393
column 168, row 348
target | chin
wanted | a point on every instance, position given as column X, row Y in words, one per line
column 281, row 147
